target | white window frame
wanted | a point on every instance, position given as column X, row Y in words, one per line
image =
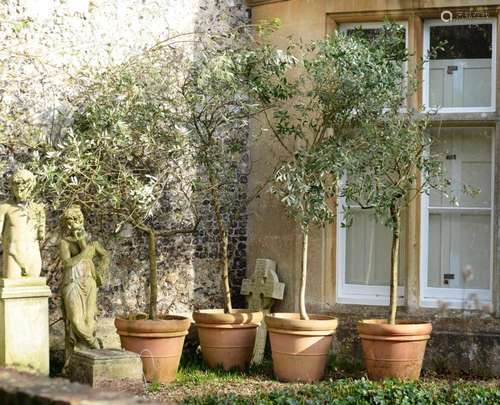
column 454, row 298
column 425, row 81
column 357, row 293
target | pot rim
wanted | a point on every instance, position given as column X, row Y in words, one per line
column 380, row 327
column 291, row 321
column 236, row 317
column 167, row 324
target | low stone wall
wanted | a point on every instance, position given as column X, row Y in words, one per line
column 28, row 389
column 461, row 342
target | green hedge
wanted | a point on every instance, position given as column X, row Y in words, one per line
column 364, row 391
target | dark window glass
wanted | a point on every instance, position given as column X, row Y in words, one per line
column 366, row 33
column 371, row 34
column 462, row 41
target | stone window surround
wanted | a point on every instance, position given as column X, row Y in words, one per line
column 415, row 19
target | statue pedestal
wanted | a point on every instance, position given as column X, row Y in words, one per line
column 107, row 369
column 24, row 324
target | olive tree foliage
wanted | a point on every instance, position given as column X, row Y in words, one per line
column 342, row 83
column 231, row 79
column 387, row 161
column 14, row 87
column 124, row 152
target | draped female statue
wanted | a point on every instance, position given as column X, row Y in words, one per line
column 80, row 281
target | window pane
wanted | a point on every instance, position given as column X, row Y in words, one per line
column 459, row 250
column 367, row 33
column 460, row 236
column 462, row 41
column 372, row 33
column 368, row 252
column 460, row 72
column 466, row 159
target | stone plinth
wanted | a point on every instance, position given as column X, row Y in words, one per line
column 106, row 368
column 24, row 324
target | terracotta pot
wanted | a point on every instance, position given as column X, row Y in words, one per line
column 159, row 343
column 393, row 351
column 300, row 347
column 227, row 340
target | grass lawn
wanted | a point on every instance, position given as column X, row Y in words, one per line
column 196, row 384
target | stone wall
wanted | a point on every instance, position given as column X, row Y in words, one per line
column 44, row 44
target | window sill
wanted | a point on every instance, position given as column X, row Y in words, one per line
column 440, row 318
column 375, row 300
column 478, row 118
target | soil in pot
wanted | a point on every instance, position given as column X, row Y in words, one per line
column 227, row 340
column 300, row 348
column 158, row 342
column 393, row 351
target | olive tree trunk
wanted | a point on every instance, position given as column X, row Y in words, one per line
column 153, row 274
column 396, row 228
column 303, row 279
column 223, row 242
column 228, row 307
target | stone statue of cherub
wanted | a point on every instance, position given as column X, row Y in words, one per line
column 22, row 224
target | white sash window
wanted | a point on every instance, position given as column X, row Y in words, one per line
column 456, row 239
column 364, row 249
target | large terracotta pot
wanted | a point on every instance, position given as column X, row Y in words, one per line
column 393, row 351
column 227, row 340
column 159, row 343
column 300, row 348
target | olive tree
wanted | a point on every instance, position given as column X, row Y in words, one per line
column 123, row 156
column 230, row 79
column 386, row 160
column 342, row 83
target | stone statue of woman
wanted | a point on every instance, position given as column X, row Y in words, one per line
column 79, row 282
